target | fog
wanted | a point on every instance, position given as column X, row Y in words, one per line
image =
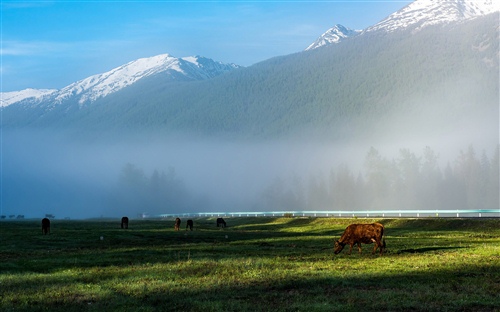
column 50, row 174
column 44, row 173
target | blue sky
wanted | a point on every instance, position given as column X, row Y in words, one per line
column 50, row 44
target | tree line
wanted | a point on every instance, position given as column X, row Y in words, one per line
column 162, row 192
column 406, row 182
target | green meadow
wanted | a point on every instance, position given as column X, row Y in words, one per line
column 255, row 264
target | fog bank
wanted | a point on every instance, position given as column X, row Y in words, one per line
column 44, row 173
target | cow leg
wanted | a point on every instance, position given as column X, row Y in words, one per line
column 378, row 244
column 350, row 249
column 359, row 248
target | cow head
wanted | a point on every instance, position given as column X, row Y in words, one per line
column 338, row 247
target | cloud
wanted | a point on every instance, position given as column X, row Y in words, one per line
column 25, row 48
column 54, row 48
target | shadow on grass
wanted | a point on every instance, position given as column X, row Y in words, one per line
column 426, row 249
column 447, row 289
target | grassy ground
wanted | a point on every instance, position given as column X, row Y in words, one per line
column 255, row 264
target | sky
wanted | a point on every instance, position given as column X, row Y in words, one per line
column 51, row 44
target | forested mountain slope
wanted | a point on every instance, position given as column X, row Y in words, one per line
column 442, row 78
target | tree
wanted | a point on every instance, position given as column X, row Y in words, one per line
column 380, row 178
column 431, row 178
column 131, row 195
column 345, row 190
column 493, row 188
column 408, row 179
column 468, row 172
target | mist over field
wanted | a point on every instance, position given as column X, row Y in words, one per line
column 46, row 173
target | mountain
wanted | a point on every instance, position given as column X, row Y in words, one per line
column 373, row 82
column 422, row 13
column 98, row 86
column 298, row 116
column 336, row 34
column 415, row 16
column 18, row 96
column 368, row 85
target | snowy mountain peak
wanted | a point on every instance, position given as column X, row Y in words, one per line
column 333, row 35
column 205, row 68
column 422, row 13
column 416, row 15
column 8, row 98
column 97, row 86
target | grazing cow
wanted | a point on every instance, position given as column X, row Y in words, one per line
column 221, row 222
column 45, row 226
column 125, row 223
column 189, row 224
column 362, row 233
column 177, row 224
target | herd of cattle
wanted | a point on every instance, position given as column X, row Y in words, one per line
column 354, row 234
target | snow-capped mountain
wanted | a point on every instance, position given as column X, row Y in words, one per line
column 336, row 34
column 416, row 15
column 8, row 98
column 97, row 86
column 423, row 13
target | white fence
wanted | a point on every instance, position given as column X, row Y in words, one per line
column 490, row 213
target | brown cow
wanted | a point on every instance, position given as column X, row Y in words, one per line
column 45, row 226
column 189, row 224
column 125, row 223
column 221, row 222
column 177, row 224
column 362, row 233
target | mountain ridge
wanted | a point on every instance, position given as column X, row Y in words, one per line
column 90, row 89
column 336, row 34
column 422, row 13
column 416, row 15
column 337, row 90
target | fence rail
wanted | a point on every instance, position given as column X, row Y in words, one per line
column 495, row 213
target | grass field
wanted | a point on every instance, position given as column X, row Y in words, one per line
column 255, row 264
